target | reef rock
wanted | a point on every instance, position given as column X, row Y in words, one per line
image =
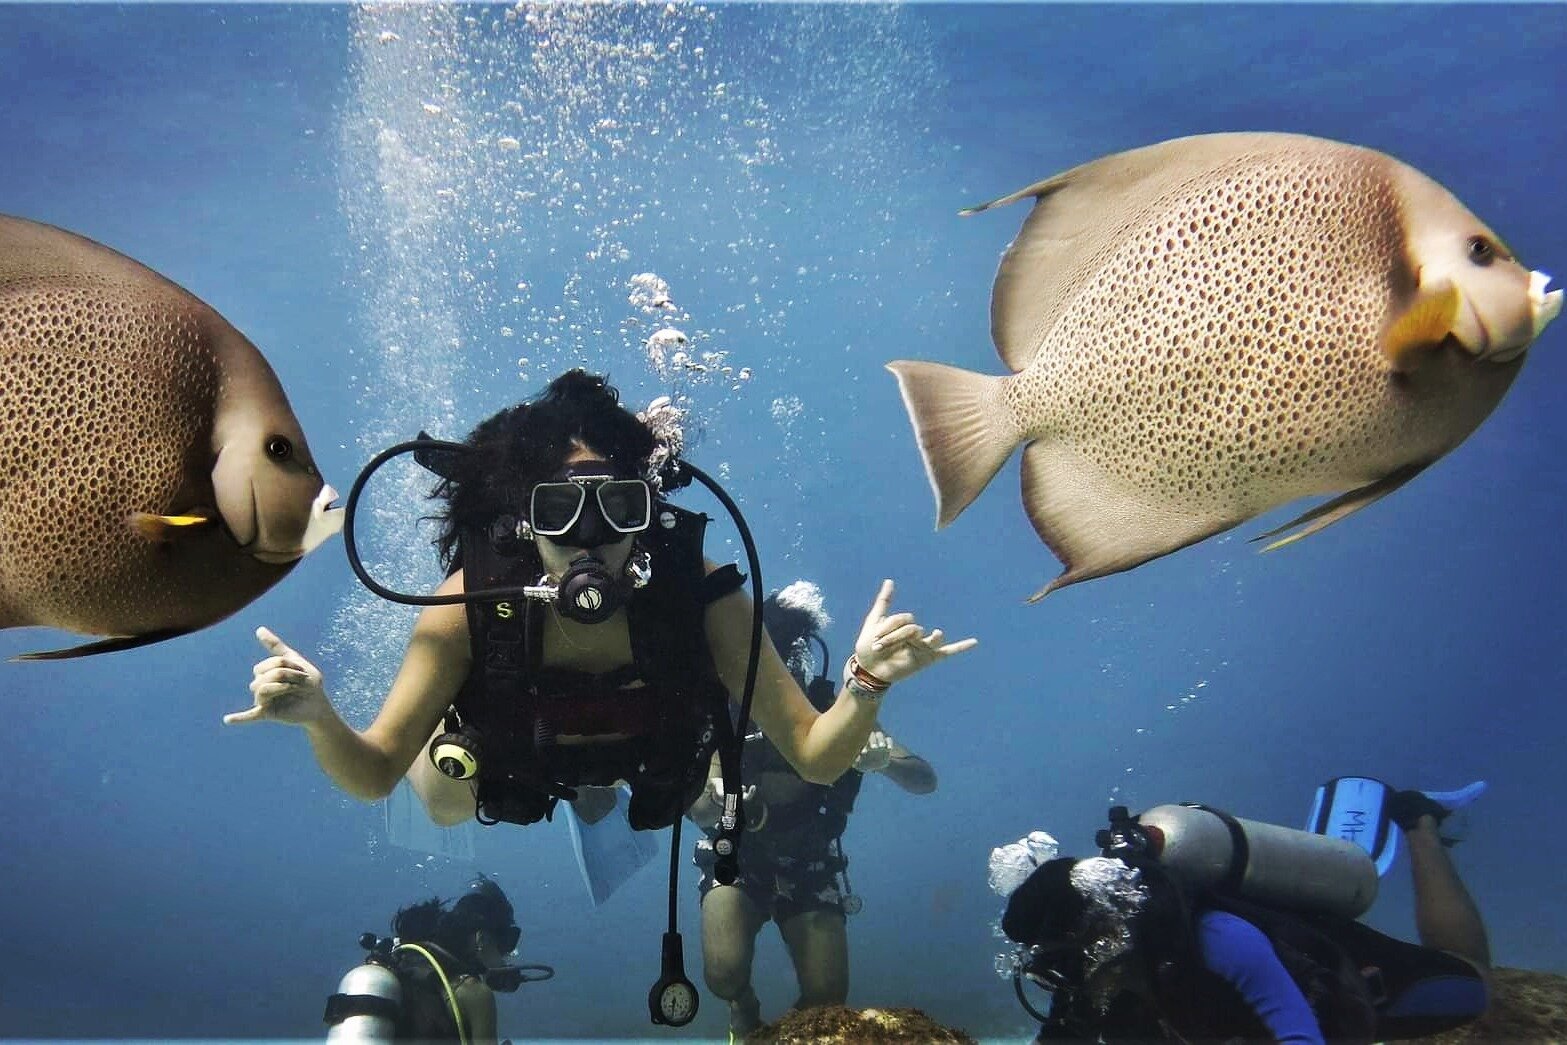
column 836, row 1025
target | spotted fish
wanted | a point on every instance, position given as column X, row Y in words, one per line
column 153, row 478
column 1207, row 328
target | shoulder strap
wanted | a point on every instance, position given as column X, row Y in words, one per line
column 502, row 636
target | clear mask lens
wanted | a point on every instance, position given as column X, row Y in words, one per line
column 626, row 504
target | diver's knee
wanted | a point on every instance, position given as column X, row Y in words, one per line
column 726, row 980
column 727, row 972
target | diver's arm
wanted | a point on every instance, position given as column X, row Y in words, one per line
column 477, row 1002
column 819, row 746
column 1237, row 951
column 908, row 770
column 891, row 647
column 433, row 670
column 287, row 688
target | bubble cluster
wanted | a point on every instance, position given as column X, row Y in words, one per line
column 519, row 181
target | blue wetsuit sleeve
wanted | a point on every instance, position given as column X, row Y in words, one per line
column 1236, row 950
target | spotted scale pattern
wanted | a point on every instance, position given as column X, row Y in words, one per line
column 108, row 385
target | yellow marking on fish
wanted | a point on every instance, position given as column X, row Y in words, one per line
column 164, row 527
column 1423, row 325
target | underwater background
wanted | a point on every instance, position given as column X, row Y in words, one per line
column 422, row 214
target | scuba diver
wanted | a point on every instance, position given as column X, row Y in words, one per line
column 581, row 640
column 1200, row 926
column 792, row 867
column 434, row 979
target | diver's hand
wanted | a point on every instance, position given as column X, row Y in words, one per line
column 755, row 811
column 894, row 647
column 876, row 754
column 286, row 686
column 715, row 787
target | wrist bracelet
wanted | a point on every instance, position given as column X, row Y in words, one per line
column 867, row 681
column 872, row 695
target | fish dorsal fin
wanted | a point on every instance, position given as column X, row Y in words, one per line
column 1420, row 327
column 1080, row 212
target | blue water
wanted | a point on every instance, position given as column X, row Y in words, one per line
column 336, row 183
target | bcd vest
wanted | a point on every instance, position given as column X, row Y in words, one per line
column 517, row 707
column 822, row 810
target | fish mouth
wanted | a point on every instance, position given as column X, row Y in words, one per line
column 326, row 519
column 1543, row 307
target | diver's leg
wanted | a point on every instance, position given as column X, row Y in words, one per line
column 819, row 947
column 593, row 804
column 730, row 922
column 1445, row 915
column 447, row 801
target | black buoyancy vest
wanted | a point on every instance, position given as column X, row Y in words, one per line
column 1200, row 1004
column 823, row 809
column 681, row 710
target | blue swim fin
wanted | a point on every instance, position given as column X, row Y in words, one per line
column 609, row 852
column 1354, row 808
column 1453, row 801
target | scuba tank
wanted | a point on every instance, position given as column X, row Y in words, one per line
column 366, row 1005
column 1207, row 849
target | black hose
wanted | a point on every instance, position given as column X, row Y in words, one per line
column 351, row 546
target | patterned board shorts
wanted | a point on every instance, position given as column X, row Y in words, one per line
column 780, row 886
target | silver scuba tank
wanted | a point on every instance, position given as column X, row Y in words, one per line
column 1205, row 848
column 372, row 995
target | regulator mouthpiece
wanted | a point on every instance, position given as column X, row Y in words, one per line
column 587, row 592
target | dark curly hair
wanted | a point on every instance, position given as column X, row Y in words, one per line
column 526, row 444
column 451, row 926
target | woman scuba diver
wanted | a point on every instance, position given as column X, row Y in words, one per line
column 435, row 978
column 612, row 656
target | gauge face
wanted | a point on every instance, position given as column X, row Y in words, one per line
column 677, row 1003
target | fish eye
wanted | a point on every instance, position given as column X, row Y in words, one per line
column 279, row 448
column 1481, row 250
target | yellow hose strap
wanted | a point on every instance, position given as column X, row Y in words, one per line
column 451, row 995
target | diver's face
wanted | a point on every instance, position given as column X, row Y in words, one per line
column 488, row 950
column 556, row 553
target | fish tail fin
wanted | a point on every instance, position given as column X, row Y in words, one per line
column 961, row 426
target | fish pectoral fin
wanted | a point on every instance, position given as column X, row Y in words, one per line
column 1098, row 523
column 1422, row 326
column 115, row 644
column 1341, row 507
column 162, row 528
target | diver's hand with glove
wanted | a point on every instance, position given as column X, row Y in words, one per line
column 892, row 648
column 286, row 688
